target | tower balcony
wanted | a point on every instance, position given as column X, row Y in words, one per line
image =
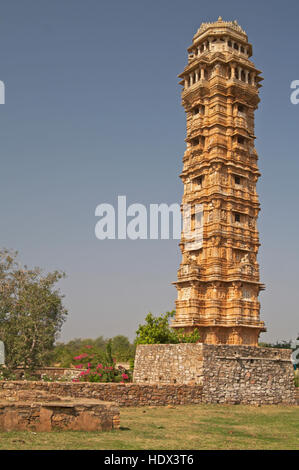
column 240, row 231
column 216, row 141
column 216, row 151
column 188, row 272
column 222, row 274
column 250, row 87
column 192, row 154
column 195, row 128
column 241, row 146
column 248, row 194
column 194, row 82
column 220, row 312
column 193, row 132
column 244, row 273
column 241, row 122
column 193, row 89
column 245, row 158
column 216, row 119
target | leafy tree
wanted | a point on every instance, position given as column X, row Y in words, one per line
column 31, row 312
column 156, row 330
column 100, row 342
column 121, row 347
column 108, row 355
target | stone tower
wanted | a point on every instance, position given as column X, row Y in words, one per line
column 218, row 280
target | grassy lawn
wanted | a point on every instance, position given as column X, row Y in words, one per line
column 178, row 428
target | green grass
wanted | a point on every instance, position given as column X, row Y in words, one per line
column 178, row 428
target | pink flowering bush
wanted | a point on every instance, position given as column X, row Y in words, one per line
column 95, row 369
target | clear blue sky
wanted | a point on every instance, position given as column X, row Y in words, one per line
column 93, row 111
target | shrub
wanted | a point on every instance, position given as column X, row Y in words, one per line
column 103, row 371
column 157, row 330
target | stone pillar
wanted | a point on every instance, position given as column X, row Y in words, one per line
column 233, row 69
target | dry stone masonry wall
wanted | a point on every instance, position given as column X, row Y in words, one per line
column 227, row 373
column 169, row 363
column 123, row 394
column 180, row 374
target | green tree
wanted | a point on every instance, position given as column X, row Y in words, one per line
column 121, row 347
column 100, row 342
column 108, row 355
column 31, row 312
column 157, row 330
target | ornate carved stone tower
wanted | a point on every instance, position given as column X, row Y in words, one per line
column 218, row 280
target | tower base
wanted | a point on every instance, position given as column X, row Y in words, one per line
column 223, row 334
column 224, row 373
